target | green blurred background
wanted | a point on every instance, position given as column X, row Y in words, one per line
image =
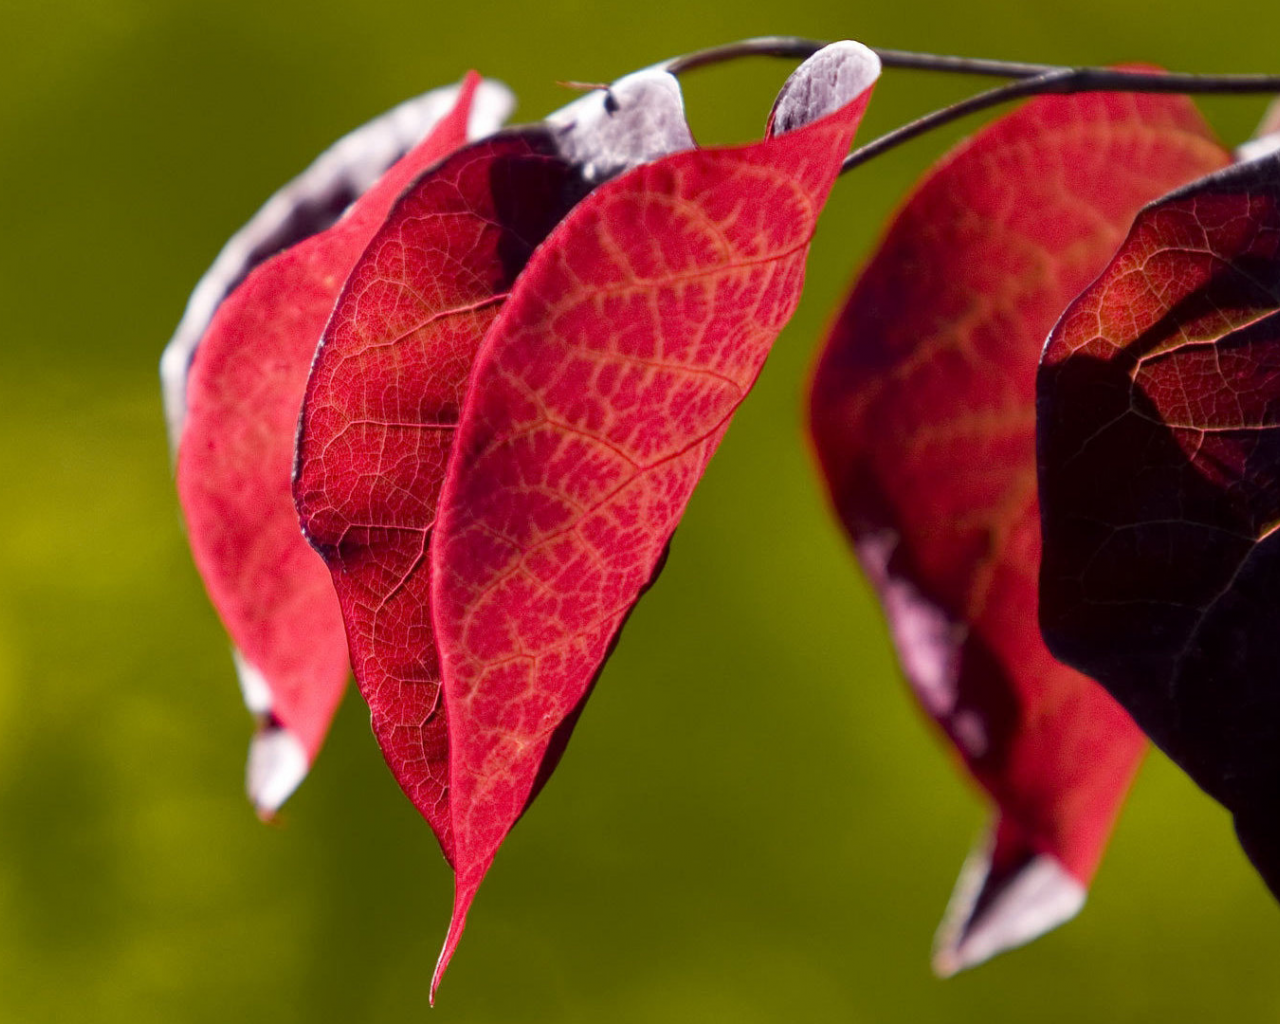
column 752, row 823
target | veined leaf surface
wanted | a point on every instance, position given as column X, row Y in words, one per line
column 389, row 378
column 597, row 399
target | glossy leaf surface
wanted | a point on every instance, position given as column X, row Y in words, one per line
column 236, row 412
column 922, row 411
column 1160, row 482
column 389, row 378
column 597, row 399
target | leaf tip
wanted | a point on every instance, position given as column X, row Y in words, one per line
column 1002, row 903
column 464, row 892
column 277, row 764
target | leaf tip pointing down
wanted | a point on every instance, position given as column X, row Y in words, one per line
column 1004, row 898
column 276, row 767
column 464, row 892
column 279, row 759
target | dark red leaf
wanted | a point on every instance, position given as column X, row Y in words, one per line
column 597, row 399
column 1160, row 483
column 383, row 397
column 922, row 413
column 234, row 381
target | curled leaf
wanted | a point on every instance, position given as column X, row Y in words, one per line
column 1159, row 449
column 597, row 398
column 922, row 414
column 309, row 204
column 233, row 378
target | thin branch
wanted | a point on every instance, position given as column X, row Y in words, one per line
column 1111, row 80
column 909, row 61
column 936, row 119
column 1079, row 79
column 1030, row 80
column 760, row 46
column 1061, row 81
column 796, row 47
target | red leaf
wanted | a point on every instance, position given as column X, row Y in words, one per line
column 383, row 397
column 596, row 401
column 1160, row 460
column 922, row 413
column 234, row 378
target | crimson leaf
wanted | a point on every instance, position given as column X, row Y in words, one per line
column 922, row 414
column 383, row 396
column 597, row 398
column 234, row 376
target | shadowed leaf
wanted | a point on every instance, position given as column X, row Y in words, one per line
column 1159, row 396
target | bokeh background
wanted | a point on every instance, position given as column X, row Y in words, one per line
column 752, row 823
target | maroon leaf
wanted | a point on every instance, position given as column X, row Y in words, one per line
column 234, row 376
column 597, row 398
column 922, row 414
column 1159, row 467
column 383, row 397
